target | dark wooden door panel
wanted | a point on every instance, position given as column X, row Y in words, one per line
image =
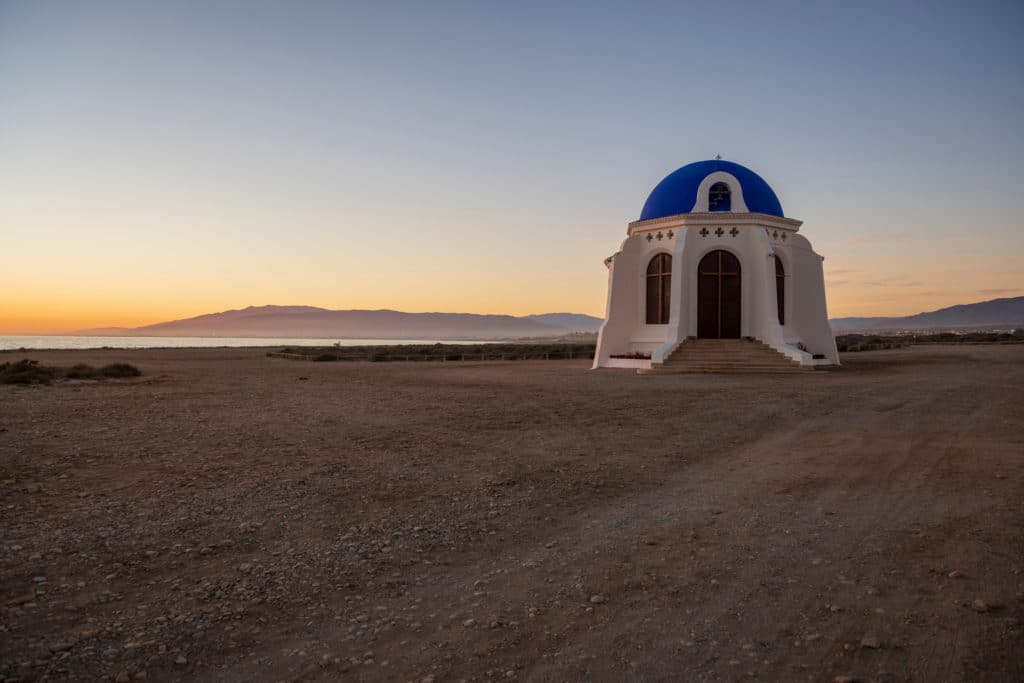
column 730, row 311
column 718, row 296
column 707, row 306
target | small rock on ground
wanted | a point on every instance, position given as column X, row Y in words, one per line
column 870, row 642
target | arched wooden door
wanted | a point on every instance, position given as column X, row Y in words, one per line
column 718, row 296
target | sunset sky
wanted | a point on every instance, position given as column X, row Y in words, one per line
column 163, row 160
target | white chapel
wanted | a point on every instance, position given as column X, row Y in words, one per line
column 714, row 277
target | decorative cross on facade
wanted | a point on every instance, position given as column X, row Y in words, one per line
column 734, row 232
column 671, row 234
column 775, row 234
column 719, row 232
column 650, row 237
column 660, row 236
column 703, row 232
column 783, row 237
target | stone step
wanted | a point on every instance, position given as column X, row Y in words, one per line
column 733, row 363
column 727, row 371
column 722, row 368
column 713, row 368
column 727, row 356
column 728, row 362
column 713, row 356
column 723, row 354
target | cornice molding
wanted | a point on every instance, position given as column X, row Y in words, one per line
column 716, row 218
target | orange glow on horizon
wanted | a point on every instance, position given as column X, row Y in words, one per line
column 138, row 284
column 48, row 317
column 55, row 316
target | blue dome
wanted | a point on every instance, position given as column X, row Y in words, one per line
column 677, row 193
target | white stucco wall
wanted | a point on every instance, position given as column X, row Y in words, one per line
column 625, row 329
column 810, row 309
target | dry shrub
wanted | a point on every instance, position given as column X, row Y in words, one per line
column 118, row 370
column 81, row 371
column 25, row 372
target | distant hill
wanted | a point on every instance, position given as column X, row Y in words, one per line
column 312, row 322
column 995, row 313
column 571, row 321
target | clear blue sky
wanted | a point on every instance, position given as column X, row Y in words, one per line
column 159, row 160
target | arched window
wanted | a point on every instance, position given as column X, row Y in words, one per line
column 659, row 281
column 719, row 198
column 780, row 289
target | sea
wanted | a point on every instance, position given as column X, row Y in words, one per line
column 8, row 343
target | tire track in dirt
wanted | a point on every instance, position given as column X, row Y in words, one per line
column 902, row 469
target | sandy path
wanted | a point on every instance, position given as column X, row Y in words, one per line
column 392, row 522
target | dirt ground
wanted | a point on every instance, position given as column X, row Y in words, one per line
column 231, row 517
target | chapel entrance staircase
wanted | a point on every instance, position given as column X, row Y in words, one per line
column 727, row 356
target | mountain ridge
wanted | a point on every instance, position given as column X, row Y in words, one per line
column 385, row 323
column 1008, row 311
column 315, row 322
